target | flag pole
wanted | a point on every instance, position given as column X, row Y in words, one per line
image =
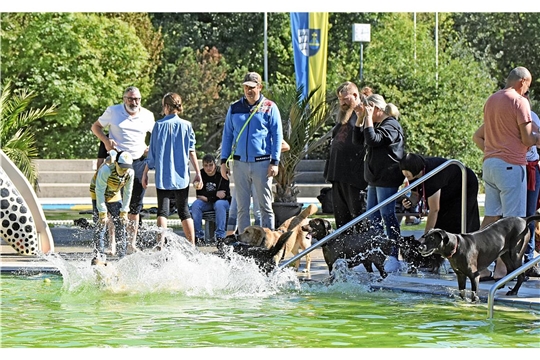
column 437, row 50
column 266, row 49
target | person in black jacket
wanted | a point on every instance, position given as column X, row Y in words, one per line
column 344, row 168
column 385, row 147
column 443, row 193
column 215, row 194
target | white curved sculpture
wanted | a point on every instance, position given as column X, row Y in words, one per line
column 22, row 221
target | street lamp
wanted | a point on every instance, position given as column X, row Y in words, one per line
column 361, row 33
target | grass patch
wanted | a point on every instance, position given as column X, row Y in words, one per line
column 65, row 215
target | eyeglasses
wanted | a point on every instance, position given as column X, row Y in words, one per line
column 132, row 98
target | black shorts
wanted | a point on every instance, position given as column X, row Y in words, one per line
column 164, row 198
column 102, row 152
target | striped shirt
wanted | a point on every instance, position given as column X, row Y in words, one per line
column 106, row 185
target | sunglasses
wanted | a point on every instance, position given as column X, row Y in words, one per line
column 133, row 98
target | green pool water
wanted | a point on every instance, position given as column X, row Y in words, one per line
column 179, row 299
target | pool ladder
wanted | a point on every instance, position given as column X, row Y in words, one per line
column 504, row 280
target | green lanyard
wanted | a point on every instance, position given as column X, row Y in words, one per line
column 230, row 158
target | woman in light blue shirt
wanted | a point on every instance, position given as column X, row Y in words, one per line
column 171, row 148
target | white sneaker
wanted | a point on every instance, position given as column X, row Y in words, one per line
column 392, row 264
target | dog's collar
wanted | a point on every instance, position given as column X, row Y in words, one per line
column 455, row 248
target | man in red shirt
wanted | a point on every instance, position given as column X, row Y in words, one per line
column 504, row 137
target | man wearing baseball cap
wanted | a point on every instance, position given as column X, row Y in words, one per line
column 114, row 175
column 251, row 149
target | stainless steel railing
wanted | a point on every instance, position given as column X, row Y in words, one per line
column 504, row 280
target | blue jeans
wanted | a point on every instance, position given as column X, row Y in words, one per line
column 532, row 199
column 376, row 195
column 246, row 175
column 113, row 210
column 220, row 207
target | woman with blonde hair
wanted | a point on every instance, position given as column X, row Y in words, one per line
column 385, row 147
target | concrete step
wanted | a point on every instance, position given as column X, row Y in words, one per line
column 85, row 176
column 76, row 190
column 69, row 177
column 65, row 177
column 310, row 177
column 311, row 165
column 69, row 190
column 63, row 166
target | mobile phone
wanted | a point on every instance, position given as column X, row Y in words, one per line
column 365, row 101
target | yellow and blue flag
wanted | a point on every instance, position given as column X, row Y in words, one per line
column 310, row 49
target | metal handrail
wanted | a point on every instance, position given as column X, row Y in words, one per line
column 504, row 280
column 387, row 201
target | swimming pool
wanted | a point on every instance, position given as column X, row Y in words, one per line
column 184, row 299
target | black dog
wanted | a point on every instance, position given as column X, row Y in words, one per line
column 82, row 223
column 264, row 257
column 409, row 249
column 471, row 253
column 355, row 247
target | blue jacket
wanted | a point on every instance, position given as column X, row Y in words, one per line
column 170, row 143
column 260, row 140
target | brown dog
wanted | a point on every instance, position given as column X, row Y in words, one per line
column 259, row 236
column 300, row 239
column 471, row 253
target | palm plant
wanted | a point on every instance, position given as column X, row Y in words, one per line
column 16, row 134
column 303, row 120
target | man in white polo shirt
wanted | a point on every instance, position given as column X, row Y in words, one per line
column 128, row 124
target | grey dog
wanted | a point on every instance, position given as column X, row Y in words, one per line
column 471, row 253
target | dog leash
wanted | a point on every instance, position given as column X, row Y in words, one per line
column 233, row 149
column 423, row 210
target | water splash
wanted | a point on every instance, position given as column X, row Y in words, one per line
column 180, row 268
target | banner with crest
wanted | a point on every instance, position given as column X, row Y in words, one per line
column 310, row 48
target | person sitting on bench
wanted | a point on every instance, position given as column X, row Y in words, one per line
column 214, row 195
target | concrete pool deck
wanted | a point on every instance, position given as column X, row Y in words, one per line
column 69, row 244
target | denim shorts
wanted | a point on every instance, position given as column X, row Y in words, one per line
column 506, row 188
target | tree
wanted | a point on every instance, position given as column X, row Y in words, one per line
column 152, row 40
column 440, row 104
column 197, row 77
column 508, row 39
column 82, row 62
column 18, row 126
